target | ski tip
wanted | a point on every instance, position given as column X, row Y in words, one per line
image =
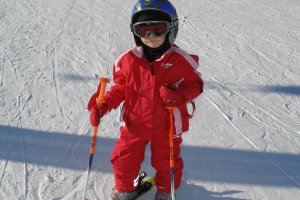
column 150, row 180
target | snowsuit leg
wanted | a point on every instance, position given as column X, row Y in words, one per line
column 160, row 159
column 126, row 159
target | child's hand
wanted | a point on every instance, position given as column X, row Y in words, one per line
column 93, row 100
column 171, row 96
column 97, row 112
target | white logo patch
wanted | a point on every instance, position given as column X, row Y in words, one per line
column 166, row 65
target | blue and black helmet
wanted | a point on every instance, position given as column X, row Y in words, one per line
column 162, row 9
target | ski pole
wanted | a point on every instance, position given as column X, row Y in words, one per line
column 171, row 131
column 100, row 100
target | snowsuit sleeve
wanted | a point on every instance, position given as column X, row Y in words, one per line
column 116, row 95
column 192, row 85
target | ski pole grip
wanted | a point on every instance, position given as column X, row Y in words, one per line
column 100, row 99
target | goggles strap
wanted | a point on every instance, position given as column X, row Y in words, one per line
column 173, row 24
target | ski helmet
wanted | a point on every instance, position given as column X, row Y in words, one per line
column 157, row 9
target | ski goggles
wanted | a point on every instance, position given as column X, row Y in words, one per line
column 144, row 29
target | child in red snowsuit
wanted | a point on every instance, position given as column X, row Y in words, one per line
column 149, row 77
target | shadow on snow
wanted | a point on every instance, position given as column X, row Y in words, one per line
column 293, row 90
column 199, row 192
column 69, row 151
column 290, row 90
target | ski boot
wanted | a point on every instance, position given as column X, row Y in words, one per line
column 143, row 187
column 162, row 196
column 115, row 195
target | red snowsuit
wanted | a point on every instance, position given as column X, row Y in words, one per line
column 137, row 83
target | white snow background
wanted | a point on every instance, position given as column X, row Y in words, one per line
column 244, row 141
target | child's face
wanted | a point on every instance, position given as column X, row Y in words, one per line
column 153, row 41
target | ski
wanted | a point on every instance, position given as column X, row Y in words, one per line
column 144, row 185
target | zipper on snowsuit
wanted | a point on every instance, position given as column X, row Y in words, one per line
column 152, row 69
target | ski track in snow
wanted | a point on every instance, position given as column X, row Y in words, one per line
column 256, row 106
column 14, row 68
column 251, row 142
column 3, row 172
column 26, row 174
column 51, row 55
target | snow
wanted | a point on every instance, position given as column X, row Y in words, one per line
column 244, row 141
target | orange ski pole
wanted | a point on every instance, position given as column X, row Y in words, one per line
column 100, row 99
column 171, row 132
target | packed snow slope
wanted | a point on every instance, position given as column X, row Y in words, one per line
column 244, row 141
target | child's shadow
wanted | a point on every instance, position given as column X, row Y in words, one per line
column 196, row 192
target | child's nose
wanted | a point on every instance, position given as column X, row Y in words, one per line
column 150, row 35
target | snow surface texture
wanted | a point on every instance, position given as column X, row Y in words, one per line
column 244, row 141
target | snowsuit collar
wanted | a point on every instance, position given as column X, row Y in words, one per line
column 138, row 53
column 155, row 53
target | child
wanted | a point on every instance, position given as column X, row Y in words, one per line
column 148, row 78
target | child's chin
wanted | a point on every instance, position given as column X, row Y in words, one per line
column 153, row 45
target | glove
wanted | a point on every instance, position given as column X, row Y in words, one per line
column 97, row 112
column 171, row 96
column 93, row 99
column 94, row 108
